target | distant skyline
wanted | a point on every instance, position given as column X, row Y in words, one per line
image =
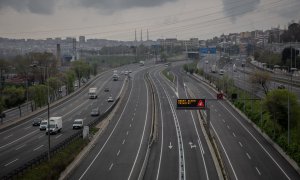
column 118, row 19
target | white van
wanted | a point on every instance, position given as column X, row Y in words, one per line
column 55, row 125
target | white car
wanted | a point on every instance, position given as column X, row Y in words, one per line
column 78, row 124
column 43, row 125
column 110, row 99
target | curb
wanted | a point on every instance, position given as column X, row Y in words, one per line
column 265, row 136
column 210, row 146
column 102, row 127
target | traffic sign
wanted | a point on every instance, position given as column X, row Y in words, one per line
column 190, row 103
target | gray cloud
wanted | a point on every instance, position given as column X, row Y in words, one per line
column 113, row 5
column 236, row 8
column 33, row 6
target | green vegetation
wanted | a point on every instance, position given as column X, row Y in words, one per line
column 168, row 75
column 270, row 113
column 57, row 164
column 111, row 61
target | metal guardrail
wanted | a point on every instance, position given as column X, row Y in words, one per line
column 44, row 156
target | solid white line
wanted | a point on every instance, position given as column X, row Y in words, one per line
column 118, row 152
column 233, row 134
column 162, row 134
column 108, row 136
column 20, row 147
column 179, row 136
column 224, row 152
column 248, row 155
column 241, row 144
column 58, row 136
column 199, row 140
column 27, row 127
column 38, row 147
column 112, row 164
column 146, row 119
column 123, row 141
column 18, row 139
column 258, row 171
column 11, row 162
column 258, row 143
column 8, row 136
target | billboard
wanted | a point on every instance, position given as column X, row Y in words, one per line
column 208, row 50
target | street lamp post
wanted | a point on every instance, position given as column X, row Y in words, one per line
column 48, row 103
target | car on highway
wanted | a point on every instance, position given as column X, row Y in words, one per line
column 106, row 89
column 95, row 112
column 222, row 71
column 126, row 73
column 129, row 71
column 36, row 121
column 78, row 124
column 110, row 99
column 43, row 125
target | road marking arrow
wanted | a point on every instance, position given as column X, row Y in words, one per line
column 192, row 145
column 170, row 146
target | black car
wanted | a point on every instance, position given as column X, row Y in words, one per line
column 36, row 121
column 106, row 89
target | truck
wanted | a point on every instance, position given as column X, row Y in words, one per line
column 213, row 68
column 115, row 77
column 55, row 125
column 93, row 93
column 142, row 63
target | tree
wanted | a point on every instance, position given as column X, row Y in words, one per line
column 39, row 94
column 276, row 102
column 262, row 78
column 81, row 69
column 13, row 96
column 54, row 84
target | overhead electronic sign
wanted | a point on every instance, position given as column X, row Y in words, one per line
column 190, row 103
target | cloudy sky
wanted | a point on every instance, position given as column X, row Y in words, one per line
column 118, row 19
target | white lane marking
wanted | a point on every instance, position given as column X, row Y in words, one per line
column 133, row 114
column 123, row 141
column 132, row 119
column 127, row 133
column 241, row 144
column 8, row 136
column 141, row 141
column 11, row 162
column 181, row 168
column 18, row 139
column 57, row 136
column 20, row 147
column 233, row 134
column 248, row 155
column 223, row 121
column 118, row 152
column 38, row 147
column 216, row 110
column 27, row 127
column 228, row 126
column 162, row 133
column 258, row 171
column 224, row 152
column 199, row 140
column 267, row 152
column 41, row 136
column 130, row 125
column 219, row 115
column 112, row 164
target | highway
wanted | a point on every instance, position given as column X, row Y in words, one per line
column 120, row 151
column 23, row 142
column 246, row 153
column 241, row 76
column 181, row 151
